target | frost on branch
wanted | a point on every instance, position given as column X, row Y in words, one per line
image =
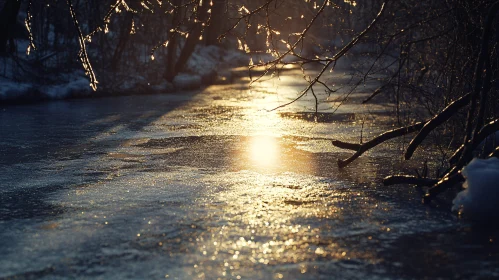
column 82, row 54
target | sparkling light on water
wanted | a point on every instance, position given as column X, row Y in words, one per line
column 264, row 151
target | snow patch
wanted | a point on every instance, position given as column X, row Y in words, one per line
column 488, row 145
column 77, row 87
column 12, row 90
column 207, row 65
column 479, row 201
column 204, row 60
column 235, row 58
column 124, row 83
column 211, row 63
column 163, row 87
column 185, row 81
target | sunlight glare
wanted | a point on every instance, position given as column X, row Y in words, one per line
column 264, row 151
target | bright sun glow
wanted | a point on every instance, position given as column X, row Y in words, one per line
column 264, row 151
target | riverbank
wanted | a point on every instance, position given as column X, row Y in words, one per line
column 208, row 65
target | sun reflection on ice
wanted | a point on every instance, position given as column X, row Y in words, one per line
column 264, row 151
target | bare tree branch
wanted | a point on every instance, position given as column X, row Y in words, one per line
column 407, row 179
column 362, row 148
column 443, row 116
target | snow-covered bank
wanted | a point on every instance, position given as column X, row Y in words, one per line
column 207, row 65
column 479, row 201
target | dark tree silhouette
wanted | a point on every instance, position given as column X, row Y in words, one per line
column 8, row 20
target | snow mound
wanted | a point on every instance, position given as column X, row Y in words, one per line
column 207, row 65
column 129, row 83
column 211, row 63
column 236, row 58
column 163, row 87
column 204, row 60
column 10, row 90
column 488, row 145
column 79, row 86
column 479, row 201
column 184, row 81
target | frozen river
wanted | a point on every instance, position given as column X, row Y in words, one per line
column 207, row 184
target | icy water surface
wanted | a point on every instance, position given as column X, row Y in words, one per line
column 207, row 185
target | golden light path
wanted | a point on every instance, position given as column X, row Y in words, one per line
column 261, row 218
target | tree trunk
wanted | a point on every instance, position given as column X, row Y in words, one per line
column 192, row 40
column 216, row 23
column 172, row 43
column 126, row 28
